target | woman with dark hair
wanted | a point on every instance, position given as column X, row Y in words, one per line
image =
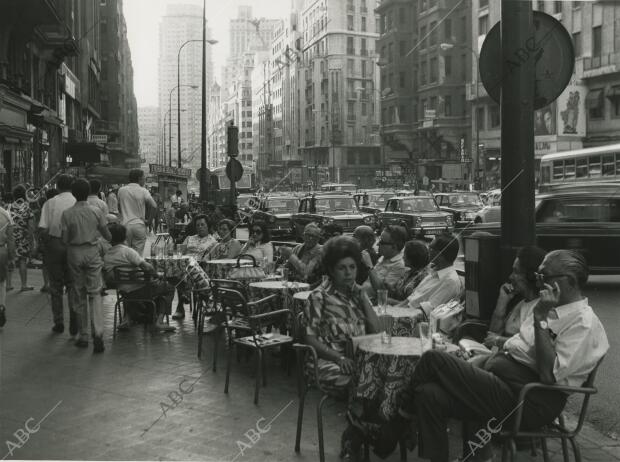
column 336, row 311
column 259, row 243
column 416, row 257
column 517, row 297
column 228, row 247
column 23, row 231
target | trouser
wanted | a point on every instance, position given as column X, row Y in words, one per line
column 136, row 236
column 161, row 291
column 86, row 264
column 59, row 277
column 445, row 386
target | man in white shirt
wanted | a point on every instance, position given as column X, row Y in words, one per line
column 559, row 343
column 443, row 283
column 55, row 253
column 132, row 200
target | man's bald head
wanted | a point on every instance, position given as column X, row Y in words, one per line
column 365, row 235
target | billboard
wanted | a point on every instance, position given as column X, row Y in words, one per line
column 565, row 116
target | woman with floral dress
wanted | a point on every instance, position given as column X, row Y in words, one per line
column 23, row 232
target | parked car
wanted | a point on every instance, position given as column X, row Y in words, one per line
column 246, row 204
column 462, row 205
column 329, row 208
column 276, row 212
column 582, row 219
column 372, row 201
column 420, row 216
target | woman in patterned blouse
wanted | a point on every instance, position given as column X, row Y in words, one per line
column 336, row 311
column 228, row 247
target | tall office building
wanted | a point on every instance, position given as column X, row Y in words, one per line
column 150, row 134
column 183, row 23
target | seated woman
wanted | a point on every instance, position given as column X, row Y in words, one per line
column 121, row 256
column 416, row 257
column 198, row 246
column 228, row 247
column 337, row 311
column 259, row 243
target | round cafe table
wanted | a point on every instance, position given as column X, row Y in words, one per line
column 172, row 266
column 404, row 320
column 286, row 289
column 220, row 269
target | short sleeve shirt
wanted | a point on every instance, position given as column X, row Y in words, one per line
column 81, row 223
column 120, row 256
column 132, row 200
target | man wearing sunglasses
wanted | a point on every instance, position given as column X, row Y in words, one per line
column 559, row 343
column 390, row 267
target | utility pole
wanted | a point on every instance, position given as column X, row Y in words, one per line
column 517, row 138
column 204, row 192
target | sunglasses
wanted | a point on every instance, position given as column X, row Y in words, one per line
column 540, row 277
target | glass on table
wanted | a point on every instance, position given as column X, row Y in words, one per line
column 382, row 300
column 424, row 330
column 386, row 322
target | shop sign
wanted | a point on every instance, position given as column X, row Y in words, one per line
column 155, row 169
column 101, row 139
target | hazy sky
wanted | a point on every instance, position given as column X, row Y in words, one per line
column 143, row 17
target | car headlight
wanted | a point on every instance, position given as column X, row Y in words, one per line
column 449, row 220
column 369, row 220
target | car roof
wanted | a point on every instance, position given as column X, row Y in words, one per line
column 412, row 196
column 332, row 196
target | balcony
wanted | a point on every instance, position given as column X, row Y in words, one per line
column 601, row 65
column 351, row 51
column 351, row 117
column 363, row 52
column 352, row 94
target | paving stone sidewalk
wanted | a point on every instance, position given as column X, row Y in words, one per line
column 148, row 397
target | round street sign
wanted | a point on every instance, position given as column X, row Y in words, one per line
column 551, row 48
column 234, row 170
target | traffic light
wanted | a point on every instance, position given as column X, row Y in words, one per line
column 232, row 146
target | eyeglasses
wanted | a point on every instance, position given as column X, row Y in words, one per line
column 547, row 277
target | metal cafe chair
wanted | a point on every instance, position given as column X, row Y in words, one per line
column 558, row 429
column 132, row 277
column 246, row 324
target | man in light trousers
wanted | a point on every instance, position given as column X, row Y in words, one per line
column 132, row 201
column 82, row 225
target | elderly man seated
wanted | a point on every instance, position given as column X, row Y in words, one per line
column 560, row 342
column 123, row 257
column 443, row 283
column 303, row 260
column 390, row 267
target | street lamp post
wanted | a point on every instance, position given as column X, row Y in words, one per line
column 474, row 107
column 211, row 42
column 178, row 88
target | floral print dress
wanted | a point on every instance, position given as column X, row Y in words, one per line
column 21, row 215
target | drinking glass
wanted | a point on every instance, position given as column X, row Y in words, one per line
column 425, row 336
column 382, row 300
column 266, row 266
column 386, row 321
column 285, row 274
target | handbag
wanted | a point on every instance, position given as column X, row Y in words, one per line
column 244, row 273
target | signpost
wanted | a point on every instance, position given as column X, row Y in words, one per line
column 234, row 172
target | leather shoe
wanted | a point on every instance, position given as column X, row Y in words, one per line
column 81, row 343
column 58, row 328
column 98, row 345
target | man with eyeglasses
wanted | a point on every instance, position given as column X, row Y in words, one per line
column 443, row 283
column 304, row 258
column 559, row 343
column 390, row 267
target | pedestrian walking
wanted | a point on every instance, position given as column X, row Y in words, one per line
column 23, row 232
column 82, row 226
column 7, row 251
column 55, row 253
column 112, row 201
column 132, row 201
column 94, row 199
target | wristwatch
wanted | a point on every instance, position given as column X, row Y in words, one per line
column 541, row 324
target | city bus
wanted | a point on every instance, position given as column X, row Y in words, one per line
column 599, row 164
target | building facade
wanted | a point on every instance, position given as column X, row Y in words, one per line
column 150, row 135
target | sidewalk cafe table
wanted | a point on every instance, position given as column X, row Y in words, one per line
column 220, row 269
column 287, row 289
column 404, row 320
column 173, row 266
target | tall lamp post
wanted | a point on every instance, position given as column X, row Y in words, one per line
column 211, row 42
column 178, row 87
column 474, row 106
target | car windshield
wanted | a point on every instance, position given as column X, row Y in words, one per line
column 582, row 210
column 281, row 205
column 418, row 204
column 378, row 200
column 465, row 199
column 244, row 201
column 342, row 204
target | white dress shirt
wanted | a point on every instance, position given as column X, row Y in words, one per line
column 437, row 288
column 388, row 270
column 52, row 211
column 132, row 200
column 578, row 337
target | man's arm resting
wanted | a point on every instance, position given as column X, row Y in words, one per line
column 545, row 353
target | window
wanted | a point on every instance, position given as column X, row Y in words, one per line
column 596, row 41
column 609, row 165
column 104, row 27
column 494, row 116
column 402, row 48
column 351, row 110
column 351, row 65
column 349, row 22
column 422, row 37
column 433, row 71
column 483, row 24
column 582, row 168
column 432, row 39
column 480, row 118
column 433, row 103
column 351, row 158
column 447, row 64
column 364, row 109
column 363, row 23
column 447, row 104
column 595, row 103
column 350, row 46
column 401, row 79
column 557, row 7
column 577, row 43
column 580, row 210
column 423, row 66
column 402, row 112
column 483, row 3
column 447, row 27
column 614, row 98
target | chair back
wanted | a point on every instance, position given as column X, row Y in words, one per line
column 229, row 284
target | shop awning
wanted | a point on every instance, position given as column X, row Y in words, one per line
column 594, row 99
column 109, row 175
column 84, row 152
